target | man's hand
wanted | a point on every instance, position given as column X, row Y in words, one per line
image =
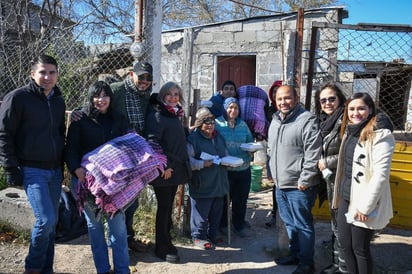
column 302, row 187
column 76, row 115
column 14, row 177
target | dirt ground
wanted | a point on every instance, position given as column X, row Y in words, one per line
column 392, row 251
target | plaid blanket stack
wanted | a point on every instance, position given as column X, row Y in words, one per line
column 252, row 102
column 118, row 170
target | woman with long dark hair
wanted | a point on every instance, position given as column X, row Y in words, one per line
column 100, row 124
column 329, row 106
column 362, row 193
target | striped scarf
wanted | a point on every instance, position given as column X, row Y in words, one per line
column 135, row 105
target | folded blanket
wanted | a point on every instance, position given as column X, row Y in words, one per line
column 252, row 103
column 118, row 170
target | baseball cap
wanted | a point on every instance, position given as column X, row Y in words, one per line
column 142, row 67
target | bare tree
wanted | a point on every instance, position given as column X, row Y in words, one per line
column 105, row 21
column 27, row 29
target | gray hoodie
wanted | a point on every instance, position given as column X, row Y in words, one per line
column 294, row 146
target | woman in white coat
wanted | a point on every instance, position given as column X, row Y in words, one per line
column 362, row 190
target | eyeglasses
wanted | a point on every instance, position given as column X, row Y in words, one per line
column 329, row 99
column 209, row 122
column 147, row 78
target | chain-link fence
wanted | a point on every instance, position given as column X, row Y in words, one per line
column 79, row 65
column 376, row 59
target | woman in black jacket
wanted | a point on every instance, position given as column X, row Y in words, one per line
column 164, row 127
column 329, row 106
column 100, row 124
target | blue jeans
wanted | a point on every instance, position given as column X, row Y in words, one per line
column 295, row 210
column 43, row 188
column 129, row 213
column 117, row 238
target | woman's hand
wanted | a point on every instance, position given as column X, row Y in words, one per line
column 207, row 163
column 360, row 217
column 321, row 164
column 167, row 174
column 80, row 174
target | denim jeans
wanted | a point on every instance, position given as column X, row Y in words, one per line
column 117, row 238
column 295, row 210
column 43, row 189
column 129, row 213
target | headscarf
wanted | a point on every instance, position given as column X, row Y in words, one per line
column 228, row 101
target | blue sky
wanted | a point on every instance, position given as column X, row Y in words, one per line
column 378, row 11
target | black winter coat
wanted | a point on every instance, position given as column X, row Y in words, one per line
column 87, row 134
column 32, row 128
column 166, row 129
column 330, row 153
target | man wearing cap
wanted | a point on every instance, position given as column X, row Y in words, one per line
column 131, row 98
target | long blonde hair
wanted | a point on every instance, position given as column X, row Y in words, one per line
column 368, row 130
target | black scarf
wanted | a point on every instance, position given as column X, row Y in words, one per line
column 327, row 122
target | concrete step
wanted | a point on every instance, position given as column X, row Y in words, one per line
column 16, row 209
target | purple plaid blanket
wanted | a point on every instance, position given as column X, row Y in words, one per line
column 119, row 169
column 252, row 101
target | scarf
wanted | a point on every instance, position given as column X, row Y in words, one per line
column 327, row 122
column 178, row 110
column 135, row 104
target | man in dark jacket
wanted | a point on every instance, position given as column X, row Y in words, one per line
column 32, row 131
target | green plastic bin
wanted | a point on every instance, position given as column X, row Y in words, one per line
column 256, row 172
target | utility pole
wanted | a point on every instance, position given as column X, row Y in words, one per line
column 148, row 36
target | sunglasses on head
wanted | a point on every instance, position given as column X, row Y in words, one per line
column 329, row 99
column 147, row 78
column 209, row 122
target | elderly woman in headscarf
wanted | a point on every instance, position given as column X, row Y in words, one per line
column 209, row 181
column 236, row 132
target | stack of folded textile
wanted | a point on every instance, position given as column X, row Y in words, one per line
column 118, row 170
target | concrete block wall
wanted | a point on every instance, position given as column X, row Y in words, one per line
column 270, row 39
column 16, row 209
